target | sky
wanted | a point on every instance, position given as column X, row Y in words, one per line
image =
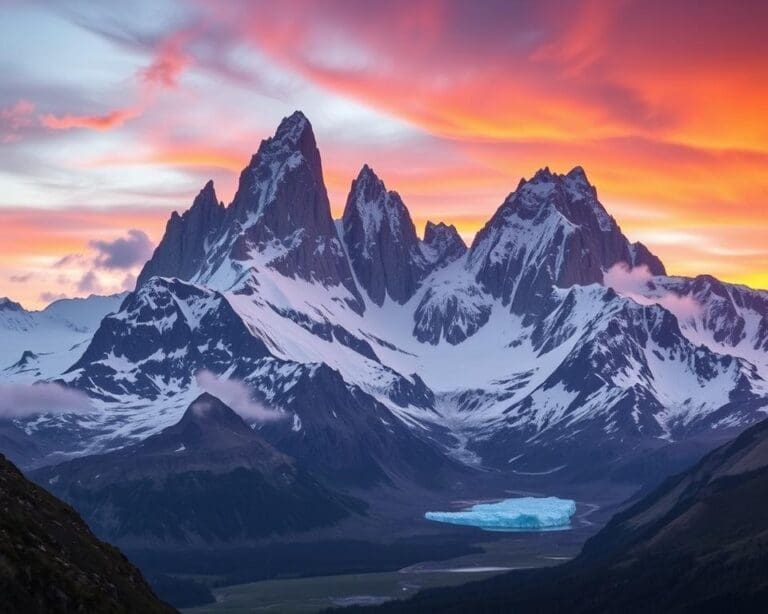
column 112, row 115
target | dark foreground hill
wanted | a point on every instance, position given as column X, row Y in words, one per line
column 51, row 562
column 208, row 480
column 698, row 543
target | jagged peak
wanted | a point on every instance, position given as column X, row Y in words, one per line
column 544, row 175
column 293, row 126
column 442, row 243
column 7, row 304
column 440, row 230
column 206, row 199
column 208, row 189
column 547, row 192
column 292, row 147
column 578, row 174
column 369, row 195
column 293, row 136
column 208, row 408
column 368, row 181
column 294, row 133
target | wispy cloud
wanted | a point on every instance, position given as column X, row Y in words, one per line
column 238, row 396
column 636, row 284
column 108, row 121
column 21, row 400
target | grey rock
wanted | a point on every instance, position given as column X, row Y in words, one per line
column 381, row 240
column 551, row 231
column 442, row 244
column 184, row 246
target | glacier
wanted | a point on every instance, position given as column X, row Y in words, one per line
column 519, row 514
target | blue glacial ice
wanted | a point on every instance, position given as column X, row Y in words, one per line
column 522, row 514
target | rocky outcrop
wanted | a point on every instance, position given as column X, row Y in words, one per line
column 442, row 244
column 187, row 238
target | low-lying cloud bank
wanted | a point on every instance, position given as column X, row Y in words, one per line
column 237, row 395
column 24, row 400
column 634, row 283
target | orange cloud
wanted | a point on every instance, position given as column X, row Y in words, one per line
column 108, row 121
column 663, row 104
column 35, row 241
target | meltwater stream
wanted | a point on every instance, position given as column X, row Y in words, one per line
column 520, row 514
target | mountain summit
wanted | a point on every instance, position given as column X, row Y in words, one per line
column 551, row 231
column 279, row 219
column 187, row 237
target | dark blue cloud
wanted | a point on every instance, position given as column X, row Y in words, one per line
column 125, row 252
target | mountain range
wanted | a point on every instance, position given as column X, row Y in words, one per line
column 552, row 344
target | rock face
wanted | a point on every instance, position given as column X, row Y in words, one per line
column 381, row 240
column 187, row 238
column 210, row 478
column 166, row 332
column 442, row 244
column 351, row 438
column 551, row 231
column 51, row 562
column 281, row 218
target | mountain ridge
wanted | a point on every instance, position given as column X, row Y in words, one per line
column 511, row 353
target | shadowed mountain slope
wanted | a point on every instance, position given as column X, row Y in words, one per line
column 51, row 562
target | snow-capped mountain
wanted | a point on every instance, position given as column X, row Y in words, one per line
column 41, row 344
column 388, row 351
column 387, row 257
column 552, row 230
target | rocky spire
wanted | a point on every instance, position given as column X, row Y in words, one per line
column 381, row 240
column 281, row 216
column 442, row 243
column 183, row 248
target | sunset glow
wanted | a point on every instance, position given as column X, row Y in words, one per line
column 112, row 118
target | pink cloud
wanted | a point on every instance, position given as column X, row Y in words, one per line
column 113, row 119
column 635, row 283
column 14, row 118
column 169, row 62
